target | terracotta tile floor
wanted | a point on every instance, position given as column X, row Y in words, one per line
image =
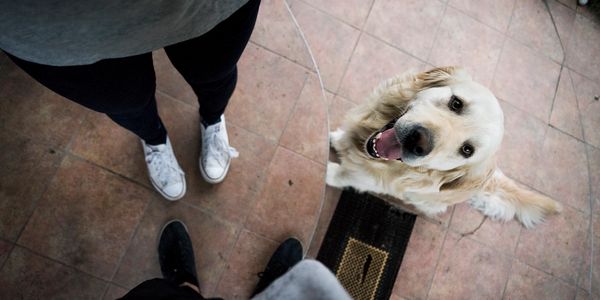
column 79, row 219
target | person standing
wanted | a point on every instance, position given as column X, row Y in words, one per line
column 98, row 54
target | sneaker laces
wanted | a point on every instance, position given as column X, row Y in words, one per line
column 164, row 164
column 277, row 269
column 216, row 146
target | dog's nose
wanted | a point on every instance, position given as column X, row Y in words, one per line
column 418, row 141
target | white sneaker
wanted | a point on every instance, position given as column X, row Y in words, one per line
column 165, row 174
column 216, row 153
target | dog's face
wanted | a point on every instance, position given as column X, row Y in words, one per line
column 451, row 123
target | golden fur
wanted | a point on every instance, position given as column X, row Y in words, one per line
column 442, row 177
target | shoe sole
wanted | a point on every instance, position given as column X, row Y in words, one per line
column 170, row 198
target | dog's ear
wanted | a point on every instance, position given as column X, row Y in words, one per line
column 441, row 76
column 502, row 198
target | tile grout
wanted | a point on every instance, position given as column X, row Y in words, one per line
column 590, row 197
column 56, row 261
column 130, row 240
column 437, row 32
column 439, row 256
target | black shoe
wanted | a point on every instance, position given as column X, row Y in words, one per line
column 176, row 255
column 288, row 254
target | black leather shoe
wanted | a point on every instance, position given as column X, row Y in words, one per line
column 288, row 254
column 176, row 254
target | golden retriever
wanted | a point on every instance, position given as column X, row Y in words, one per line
column 430, row 139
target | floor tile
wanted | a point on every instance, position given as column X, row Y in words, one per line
column 353, row 12
column 521, row 148
column 338, row 109
column 306, row 130
column 584, row 46
column 372, row 62
column 290, row 200
column 557, row 246
column 169, row 81
column 330, row 40
column 594, row 165
column 420, row 260
column 589, row 275
column 501, row 236
column 528, row 283
column 418, row 22
column 464, row 260
column 526, row 79
column 275, row 30
column 114, row 292
column 332, row 197
column 263, row 100
column 583, row 295
column 562, row 173
column 586, row 91
column 492, row 13
column 569, row 3
column 248, row 258
column 565, row 113
column 37, row 112
column 212, row 239
column 5, row 248
column 564, row 19
column 85, row 218
column 532, row 25
column 28, row 276
column 105, row 143
column 233, row 198
column 463, row 41
column 23, row 161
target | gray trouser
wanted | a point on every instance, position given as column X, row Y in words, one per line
column 309, row 279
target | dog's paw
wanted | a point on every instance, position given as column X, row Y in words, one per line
column 335, row 137
column 334, row 175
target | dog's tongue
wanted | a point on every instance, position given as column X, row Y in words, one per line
column 388, row 146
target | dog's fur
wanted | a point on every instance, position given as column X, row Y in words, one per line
column 443, row 177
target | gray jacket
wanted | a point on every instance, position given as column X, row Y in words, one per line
column 78, row 32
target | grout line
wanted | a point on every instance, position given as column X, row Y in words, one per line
column 560, row 73
column 41, row 195
column 358, row 39
column 8, row 254
column 130, row 240
column 131, row 180
column 562, row 63
column 509, row 273
column 437, row 32
column 293, row 110
column 439, row 257
column 503, row 47
column 35, row 253
column 590, row 198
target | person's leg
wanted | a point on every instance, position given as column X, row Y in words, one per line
column 123, row 89
column 159, row 288
column 308, row 279
column 208, row 64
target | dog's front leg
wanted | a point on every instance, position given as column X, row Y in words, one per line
column 335, row 137
column 336, row 176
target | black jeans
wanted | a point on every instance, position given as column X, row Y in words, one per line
column 161, row 289
column 123, row 88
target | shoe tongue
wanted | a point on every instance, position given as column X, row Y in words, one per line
column 388, row 146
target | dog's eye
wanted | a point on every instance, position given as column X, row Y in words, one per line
column 455, row 104
column 467, row 150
